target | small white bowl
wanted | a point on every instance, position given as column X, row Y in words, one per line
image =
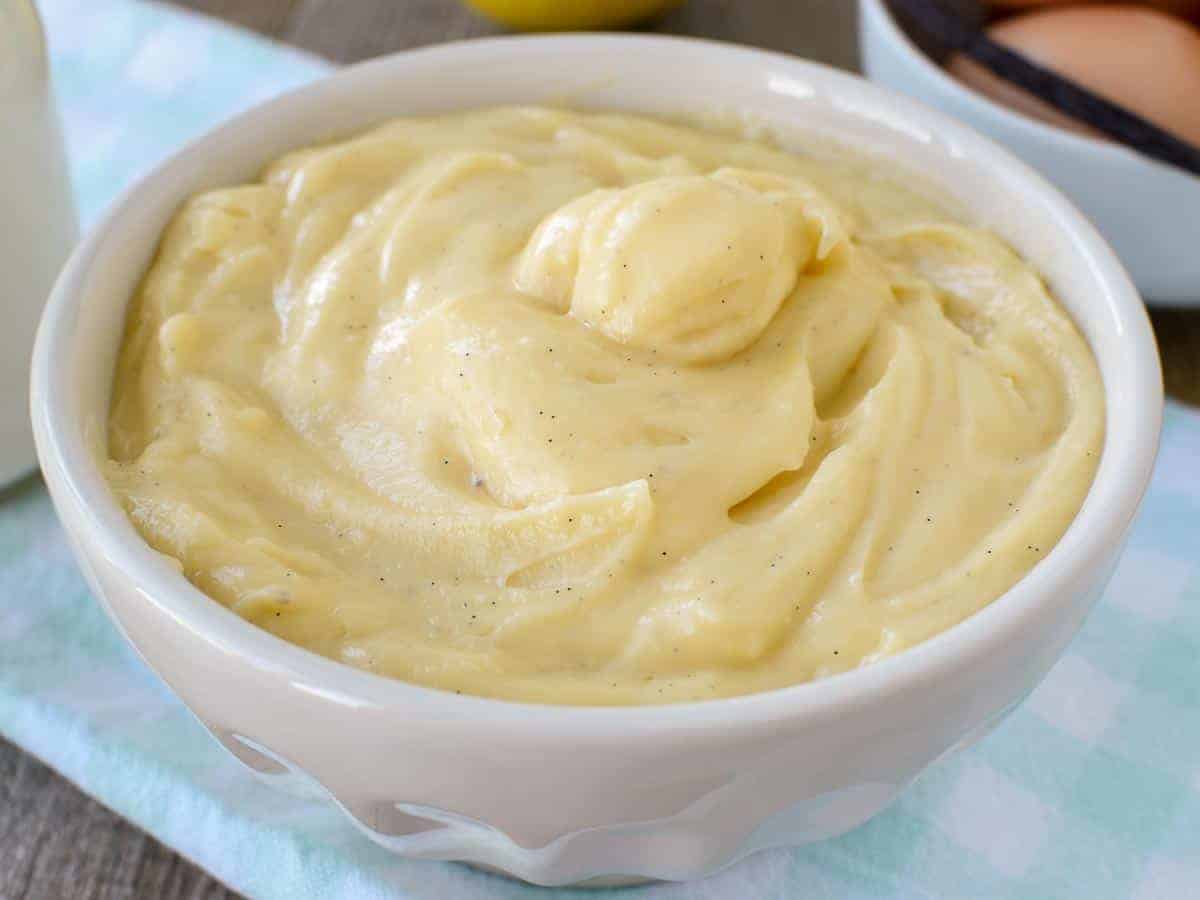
column 565, row 794
column 1148, row 211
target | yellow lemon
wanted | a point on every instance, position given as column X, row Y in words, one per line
column 570, row 15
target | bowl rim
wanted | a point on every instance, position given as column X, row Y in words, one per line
column 1111, row 503
column 1066, row 141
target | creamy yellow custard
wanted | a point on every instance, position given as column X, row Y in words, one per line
column 596, row 409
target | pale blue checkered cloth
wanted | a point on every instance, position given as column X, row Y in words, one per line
column 1092, row 789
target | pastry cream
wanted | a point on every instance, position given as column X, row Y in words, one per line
column 596, row 409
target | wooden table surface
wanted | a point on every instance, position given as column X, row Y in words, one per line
column 58, row 844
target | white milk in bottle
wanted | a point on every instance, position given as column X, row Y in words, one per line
column 37, row 218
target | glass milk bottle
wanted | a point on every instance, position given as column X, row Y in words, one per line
column 37, row 218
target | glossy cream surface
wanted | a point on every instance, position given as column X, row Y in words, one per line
column 596, row 409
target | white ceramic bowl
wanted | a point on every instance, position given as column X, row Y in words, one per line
column 1148, row 211
column 559, row 794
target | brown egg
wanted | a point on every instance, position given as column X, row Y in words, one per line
column 1144, row 60
column 1188, row 8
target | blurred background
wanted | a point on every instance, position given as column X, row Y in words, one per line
column 350, row 30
